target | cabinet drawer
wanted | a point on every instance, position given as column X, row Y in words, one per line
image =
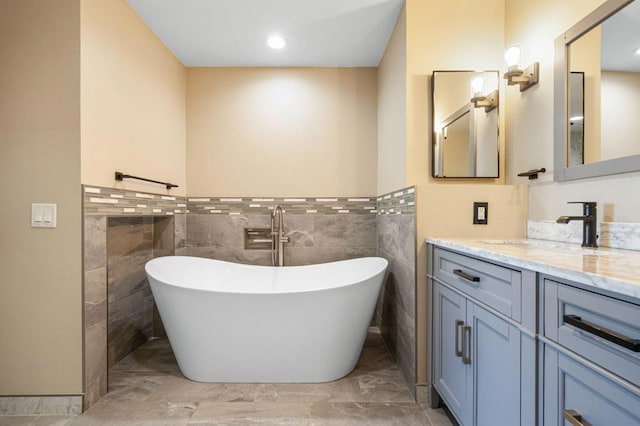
column 496, row 286
column 595, row 327
column 573, row 389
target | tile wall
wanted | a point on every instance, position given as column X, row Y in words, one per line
column 319, row 229
column 397, row 308
column 122, row 230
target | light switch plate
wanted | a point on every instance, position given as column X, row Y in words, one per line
column 480, row 213
column 43, row 215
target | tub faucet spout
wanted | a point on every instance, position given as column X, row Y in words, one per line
column 589, row 222
column 277, row 236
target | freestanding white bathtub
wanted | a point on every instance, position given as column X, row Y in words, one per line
column 229, row 322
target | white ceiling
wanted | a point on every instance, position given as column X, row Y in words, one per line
column 323, row 33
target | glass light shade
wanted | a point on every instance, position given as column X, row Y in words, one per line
column 512, row 56
column 477, row 85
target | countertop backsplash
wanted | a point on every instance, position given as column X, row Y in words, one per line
column 610, row 234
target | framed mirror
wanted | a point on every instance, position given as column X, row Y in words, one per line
column 597, row 94
column 465, row 124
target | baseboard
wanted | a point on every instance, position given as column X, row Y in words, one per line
column 34, row 405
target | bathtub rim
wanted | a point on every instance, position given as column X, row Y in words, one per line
column 383, row 268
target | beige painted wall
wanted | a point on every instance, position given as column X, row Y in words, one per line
column 447, row 211
column 281, row 131
column 392, row 110
column 133, row 101
column 446, row 35
column 530, row 120
column 41, row 283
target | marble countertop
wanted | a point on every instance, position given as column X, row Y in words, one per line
column 613, row 270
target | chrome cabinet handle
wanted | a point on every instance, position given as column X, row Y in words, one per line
column 468, row 277
column 459, row 323
column 466, row 344
column 605, row 333
column 575, row 418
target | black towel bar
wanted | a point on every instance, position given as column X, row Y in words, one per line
column 122, row 176
column 533, row 173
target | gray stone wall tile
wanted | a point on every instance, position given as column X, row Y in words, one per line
column 180, row 226
column 94, row 391
column 126, row 275
column 95, row 296
column 126, row 327
column 163, row 236
column 301, row 230
column 222, row 230
column 396, row 235
column 95, row 348
column 396, row 307
column 345, row 230
column 95, row 242
column 128, row 235
column 295, row 256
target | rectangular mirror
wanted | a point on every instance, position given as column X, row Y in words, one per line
column 465, row 124
column 597, row 94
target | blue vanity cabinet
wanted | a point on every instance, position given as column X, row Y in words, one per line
column 590, row 376
column 483, row 363
column 451, row 377
column 573, row 389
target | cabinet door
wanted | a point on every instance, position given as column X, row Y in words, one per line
column 495, row 361
column 573, row 389
column 451, row 377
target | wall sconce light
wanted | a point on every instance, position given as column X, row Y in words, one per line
column 488, row 102
column 525, row 78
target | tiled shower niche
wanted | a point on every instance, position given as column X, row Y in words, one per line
column 132, row 242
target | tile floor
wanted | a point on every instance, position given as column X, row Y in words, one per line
column 146, row 388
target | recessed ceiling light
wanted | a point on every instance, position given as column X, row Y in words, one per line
column 638, row 51
column 276, row 42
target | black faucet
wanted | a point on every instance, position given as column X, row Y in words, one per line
column 589, row 222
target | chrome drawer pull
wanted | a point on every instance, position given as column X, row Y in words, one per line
column 605, row 333
column 459, row 323
column 468, row 277
column 466, row 344
column 575, row 418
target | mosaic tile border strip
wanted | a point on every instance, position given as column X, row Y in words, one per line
column 118, row 202
column 291, row 205
column 402, row 201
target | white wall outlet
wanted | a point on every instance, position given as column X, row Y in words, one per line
column 43, row 215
